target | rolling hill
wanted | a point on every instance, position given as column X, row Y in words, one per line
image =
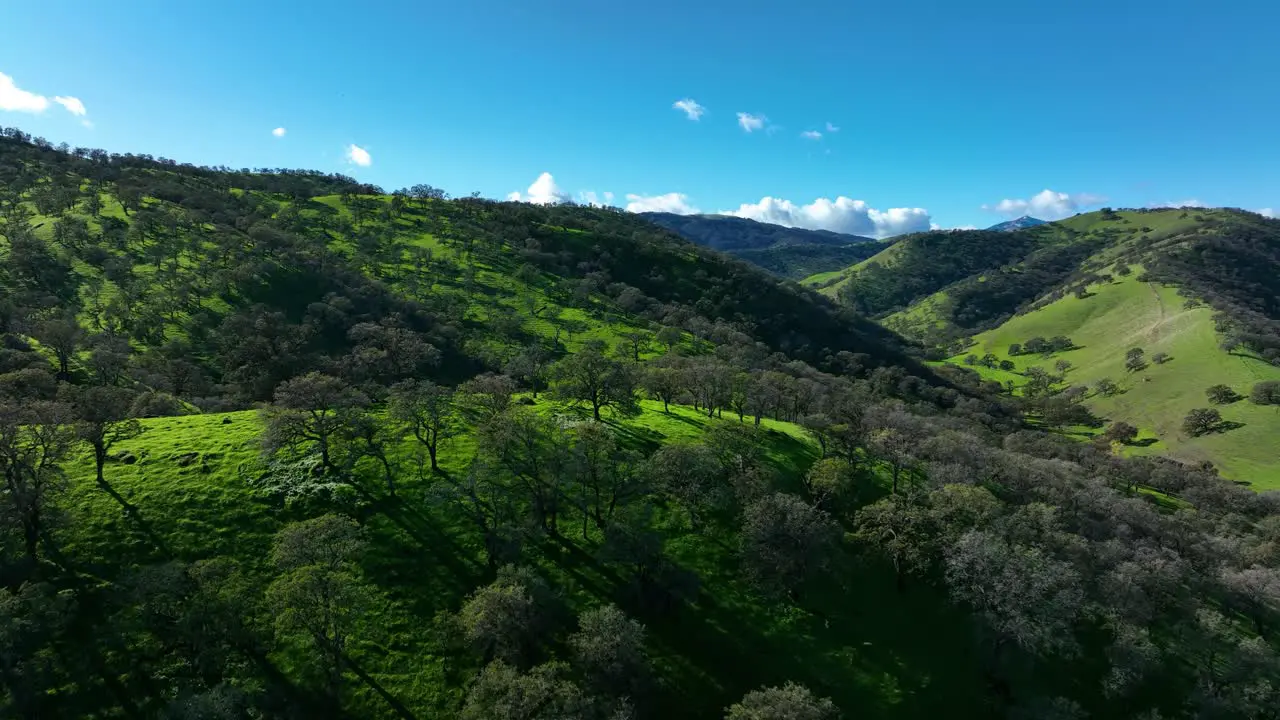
column 793, row 253
column 279, row 444
column 1184, row 284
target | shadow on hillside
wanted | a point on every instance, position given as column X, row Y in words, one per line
column 1228, row 426
column 1143, row 442
column 136, row 516
column 390, row 699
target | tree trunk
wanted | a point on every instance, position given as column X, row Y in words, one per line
column 100, row 460
column 31, row 534
column 431, row 450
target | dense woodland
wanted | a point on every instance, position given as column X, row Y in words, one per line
column 460, row 510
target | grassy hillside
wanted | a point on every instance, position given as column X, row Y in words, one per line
column 173, row 507
column 829, row 283
column 1127, row 313
column 281, row 445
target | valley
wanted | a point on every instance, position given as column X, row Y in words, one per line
column 282, row 444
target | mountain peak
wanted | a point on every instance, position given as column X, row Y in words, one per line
column 1025, row 221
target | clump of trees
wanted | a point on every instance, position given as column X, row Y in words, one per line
column 1201, row 421
column 1221, row 394
column 1041, row 346
column 1266, row 392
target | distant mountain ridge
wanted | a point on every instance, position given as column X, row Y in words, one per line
column 787, row 251
column 1022, row 223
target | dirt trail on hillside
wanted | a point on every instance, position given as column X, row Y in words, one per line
column 1159, row 301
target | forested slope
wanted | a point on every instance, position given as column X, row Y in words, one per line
column 793, row 253
column 278, row 444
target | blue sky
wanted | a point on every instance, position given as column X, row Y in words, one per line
column 942, row 107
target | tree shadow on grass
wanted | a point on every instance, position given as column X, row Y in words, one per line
column 416, row 553
column 1227, row 426
column 135, row 515
column 397, row 706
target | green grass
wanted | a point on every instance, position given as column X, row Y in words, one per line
column 829, row 283
column 1127, row 313
column 189, row 495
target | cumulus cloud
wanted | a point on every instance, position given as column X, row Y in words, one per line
column 590, row 197
column 359, row 156
column 832, row 128
column 1268, row 212
column 72, row 104
column 1174, row 204
column 749, row 122
column 543, row 191
column 15, row 99
column 689, row 107
column 278, row 132
column 672, row 202
column 1046, row 204
column 842, row 215
column 811, row 135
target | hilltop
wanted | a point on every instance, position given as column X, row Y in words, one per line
column 793, row 253
column 1026, row 221
column 279, row 444
column 1194, row 288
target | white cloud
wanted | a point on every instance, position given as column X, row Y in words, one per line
column 72, row 104
column 832, row 128
column 15, row 99
column 279, row 132
column 672, row 202
column 811, row 135
column 590, row 197
column 359, row 156
column 1046, row 205
column 1268, row 212
column 1174, row 204
column 689, row 107
column 840, row 215
column 749, row 122
column 543, row 191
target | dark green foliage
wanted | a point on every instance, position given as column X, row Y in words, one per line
column 1221, row 395
column 784, row 541
column 1266, row 392
column 1121, row 432
column 596, row 381
column 1135, row 359
column 1201, row 421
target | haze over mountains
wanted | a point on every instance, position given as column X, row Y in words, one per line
column 791, row 252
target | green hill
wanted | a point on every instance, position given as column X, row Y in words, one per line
column 1074, row 279
column 278, row 444
column 1124, row 314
